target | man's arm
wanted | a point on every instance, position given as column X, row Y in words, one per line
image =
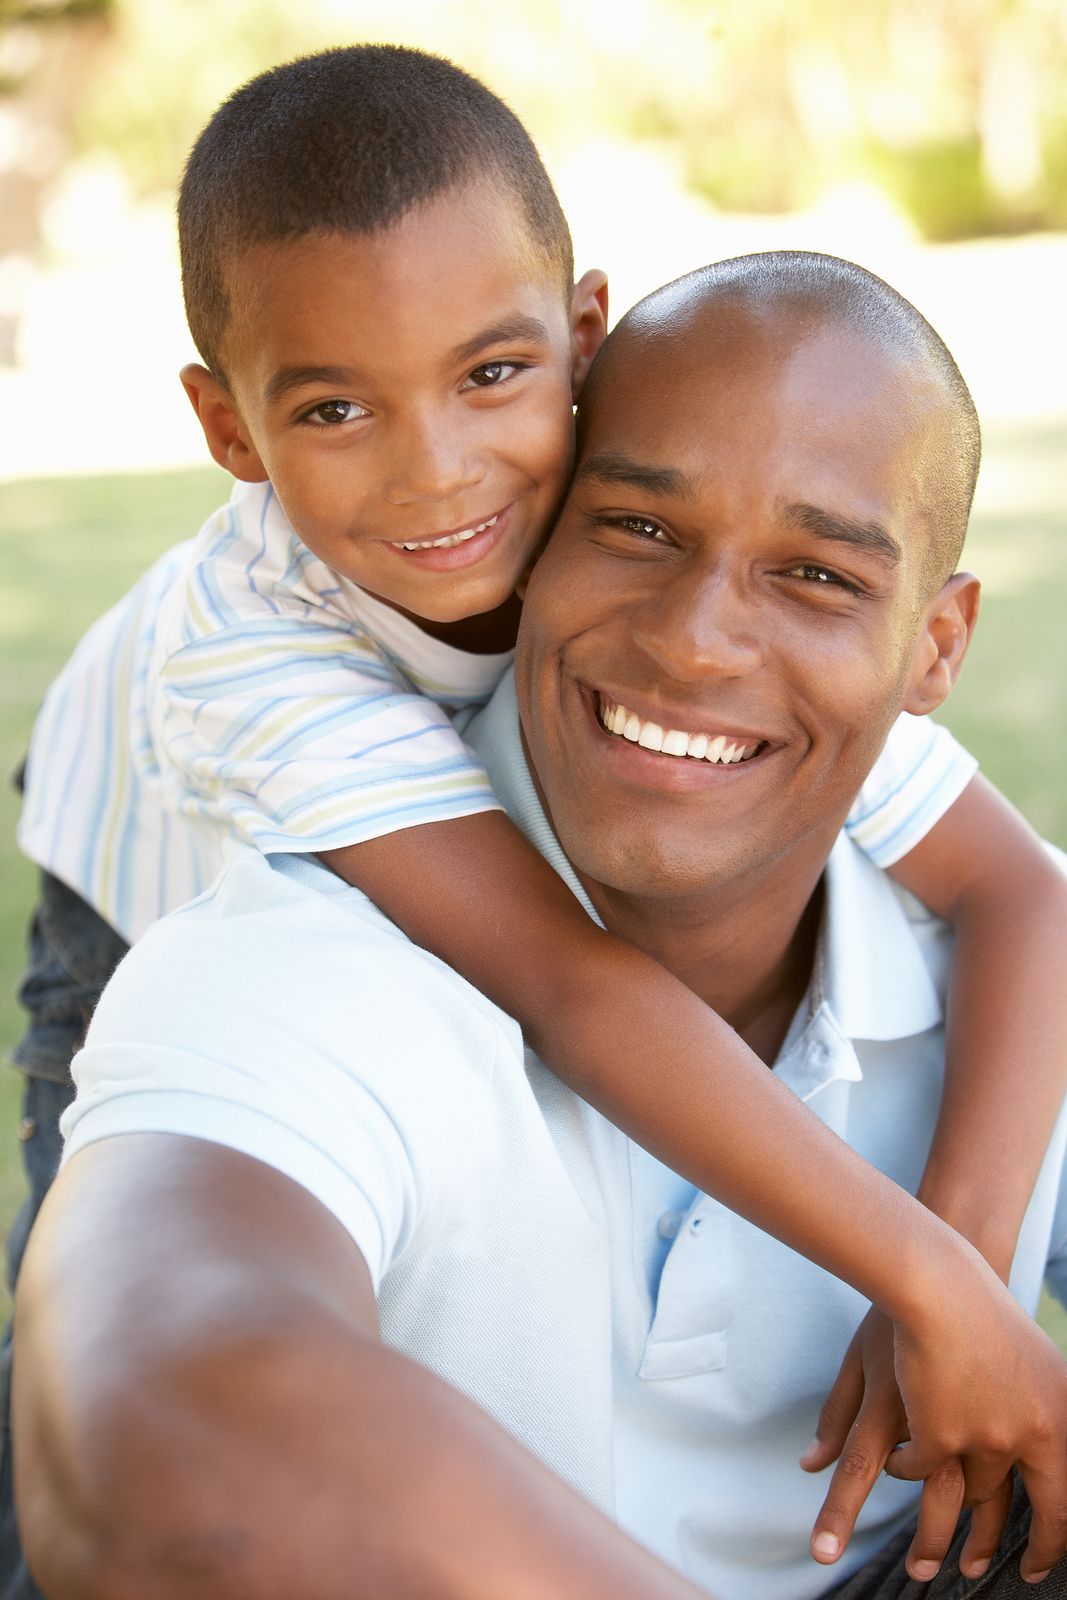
column 203, row 1408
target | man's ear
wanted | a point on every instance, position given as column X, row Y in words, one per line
column 226, row 435
column 589, row 324
column 942, row 643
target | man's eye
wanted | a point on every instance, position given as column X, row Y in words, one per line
column 811, row 573
column 644, row 527
column 328, row 413
column 491, row 373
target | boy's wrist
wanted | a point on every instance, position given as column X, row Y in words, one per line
column 985, row 1221
column 936, row 1269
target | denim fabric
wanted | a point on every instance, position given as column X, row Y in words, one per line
column 884, row 1577
column 73, row 953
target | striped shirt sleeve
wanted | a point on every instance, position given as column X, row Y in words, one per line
column 919, row 774
column 297, row 712
column 293, row 737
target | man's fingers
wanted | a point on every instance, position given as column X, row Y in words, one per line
column 987, row 1525
column 939, row 1510
column 837, row 1415
column 1048, row 1530
column 855, row 1475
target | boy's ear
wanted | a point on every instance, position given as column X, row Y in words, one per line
column 942, row 643
column 226, row 435
column 589, row 324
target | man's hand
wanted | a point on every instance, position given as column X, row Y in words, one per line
column 985, row 1395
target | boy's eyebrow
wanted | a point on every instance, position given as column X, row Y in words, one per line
column 522, row 330
column 289, row 378
column 868, row 536
column 611, row 466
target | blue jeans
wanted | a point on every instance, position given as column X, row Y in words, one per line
column 72, row 954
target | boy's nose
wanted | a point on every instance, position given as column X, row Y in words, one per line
column 431, row 459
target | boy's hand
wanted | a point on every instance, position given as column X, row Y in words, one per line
column 989, row 1395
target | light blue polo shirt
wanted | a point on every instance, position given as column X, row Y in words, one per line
column 660, row 1354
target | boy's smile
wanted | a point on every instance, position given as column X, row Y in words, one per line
column 409, row 395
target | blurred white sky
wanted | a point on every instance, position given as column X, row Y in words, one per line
column 105, row 334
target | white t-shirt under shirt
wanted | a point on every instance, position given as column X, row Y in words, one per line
column 245, row 691
column 662, row 1355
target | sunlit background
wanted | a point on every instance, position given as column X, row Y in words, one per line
column 926, row 139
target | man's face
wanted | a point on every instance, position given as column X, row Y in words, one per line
column 409, row 388
column 738, row 571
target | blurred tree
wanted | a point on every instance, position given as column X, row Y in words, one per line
column 957, row 107
column 49, row 51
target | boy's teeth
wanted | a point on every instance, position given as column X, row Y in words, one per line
column 721, row 751
column 449, row 539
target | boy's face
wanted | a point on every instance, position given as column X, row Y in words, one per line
column 406, row 388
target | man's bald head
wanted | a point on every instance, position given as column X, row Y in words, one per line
column 804, row 292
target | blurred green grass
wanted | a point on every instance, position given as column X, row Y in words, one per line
column 70, row 547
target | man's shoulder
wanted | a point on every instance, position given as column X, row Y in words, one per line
column 282, row 937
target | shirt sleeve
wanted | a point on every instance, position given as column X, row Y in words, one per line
column 295, row 735
column 919, row 774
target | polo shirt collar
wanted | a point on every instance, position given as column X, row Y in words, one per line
column 869, row 981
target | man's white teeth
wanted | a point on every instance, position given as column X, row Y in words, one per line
column 721, row 751
column 449, row 539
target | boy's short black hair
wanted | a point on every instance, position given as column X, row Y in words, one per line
column 347, row 141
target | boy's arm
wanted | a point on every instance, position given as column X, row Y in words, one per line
column 984, row 870
column 640, row 1046
column 204, row 1409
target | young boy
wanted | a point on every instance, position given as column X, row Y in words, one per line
column 379, row 278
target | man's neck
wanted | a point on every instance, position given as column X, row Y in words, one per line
column 747, row 949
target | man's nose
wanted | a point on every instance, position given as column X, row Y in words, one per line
column 432, row 457
column 698, row 627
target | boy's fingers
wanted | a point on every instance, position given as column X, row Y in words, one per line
column 939, row 1511
column 987, row 1526
column 862, row 1458
column 1048, row 1529
column 837, row 1415
column 906, row 1462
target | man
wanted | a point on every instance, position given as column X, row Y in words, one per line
column 754, row 546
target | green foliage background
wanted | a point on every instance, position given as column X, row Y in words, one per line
column 957, row 107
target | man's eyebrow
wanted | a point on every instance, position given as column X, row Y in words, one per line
column 286, row 379
column 823, row 524
column 613, row 467
column 518, row 330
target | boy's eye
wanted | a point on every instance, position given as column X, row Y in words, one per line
column 328, row 413
column 492, row 372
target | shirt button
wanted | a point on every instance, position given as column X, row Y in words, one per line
column 670, row 1224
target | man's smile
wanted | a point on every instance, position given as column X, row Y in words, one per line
column 720, row 749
